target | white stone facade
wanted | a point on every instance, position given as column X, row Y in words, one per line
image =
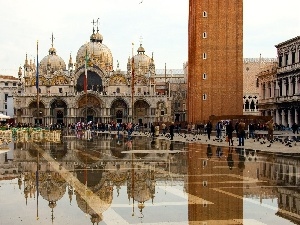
column 280, row 85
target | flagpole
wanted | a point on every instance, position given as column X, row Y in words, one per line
column 132, row 86
column 37, row 83
column 85, row 86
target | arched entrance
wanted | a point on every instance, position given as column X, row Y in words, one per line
column 58, row 111
column 38, row 117
column 119, row 110
column 88, row 107
column 141, row 111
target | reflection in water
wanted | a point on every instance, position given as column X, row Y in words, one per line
column 138, row 179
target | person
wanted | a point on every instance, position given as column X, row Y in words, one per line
column 152, row 130
column 295, row 128
column 229, row 131
column 251, row 130
column 241, row 133
column 129, row 130
column 172, row 130
column 163, row 127
column 208, row 129
column 219, row 130
column 270, row 128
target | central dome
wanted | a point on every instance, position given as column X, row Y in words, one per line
column 98, row 54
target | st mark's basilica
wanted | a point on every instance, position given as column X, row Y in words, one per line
column 62, row 98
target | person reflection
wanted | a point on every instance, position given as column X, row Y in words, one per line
column 171, row 146
column 230, row 161
column 209, row 151
column 129, row 145
column 219, row 152
column 242, row 159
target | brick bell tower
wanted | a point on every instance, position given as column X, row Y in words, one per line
column 215, row 59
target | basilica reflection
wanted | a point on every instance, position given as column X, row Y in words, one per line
column 210, row 183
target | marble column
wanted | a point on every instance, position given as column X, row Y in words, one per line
column 283, row 118
column 277, row 117
column 290, row 79
column 297, row 92
column 289, row 114
column 283, row 85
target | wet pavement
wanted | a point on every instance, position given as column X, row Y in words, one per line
column 191, row 180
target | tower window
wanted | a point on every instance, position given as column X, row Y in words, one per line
column 204, row 96
column 204, row 55
column 204, row 35
column 204, row 14
column 204, row 76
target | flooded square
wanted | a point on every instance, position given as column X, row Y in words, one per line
column 109, row 179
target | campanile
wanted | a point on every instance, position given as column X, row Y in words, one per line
column 215, row 59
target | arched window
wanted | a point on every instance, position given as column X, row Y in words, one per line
column 247, row 105
column 118, row 90
column 252, row 106
column 204, row 14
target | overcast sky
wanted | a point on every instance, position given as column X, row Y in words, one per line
column 162, row 24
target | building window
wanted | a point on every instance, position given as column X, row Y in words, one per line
column 5, row 97
column 293, row 57
column 118, row 90
column 204, row 76
column 204, row 96
column 5, row 106
column 204, row 14
column 204, row 183
column 6, row 84
column 204, row 35
column 162, row 113
column 204, row 55
column 14, row 84
column 280, row 61
column 286, row 59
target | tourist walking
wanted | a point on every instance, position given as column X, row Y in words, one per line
column 229, row 131
column 219, row 127
column 208, row 129
column 295, row 128
column 241, row 133
column 172, row 130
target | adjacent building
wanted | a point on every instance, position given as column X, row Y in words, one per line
column 251, row 67
column 8, row 86
column 279, row 85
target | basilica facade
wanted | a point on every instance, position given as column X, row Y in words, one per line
column 110, row 94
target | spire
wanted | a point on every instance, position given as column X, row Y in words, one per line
column 52, row 40
column 26, row 61
column 97, row 25
column 52, row 50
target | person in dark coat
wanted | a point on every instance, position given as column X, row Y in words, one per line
column 152, row 130
column 208, row 129
column 172, row 130
column 229, row 131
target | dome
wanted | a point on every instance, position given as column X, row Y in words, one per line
column 96, row 37
column 52, row 62
column 141, row 61
column 98, row 53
